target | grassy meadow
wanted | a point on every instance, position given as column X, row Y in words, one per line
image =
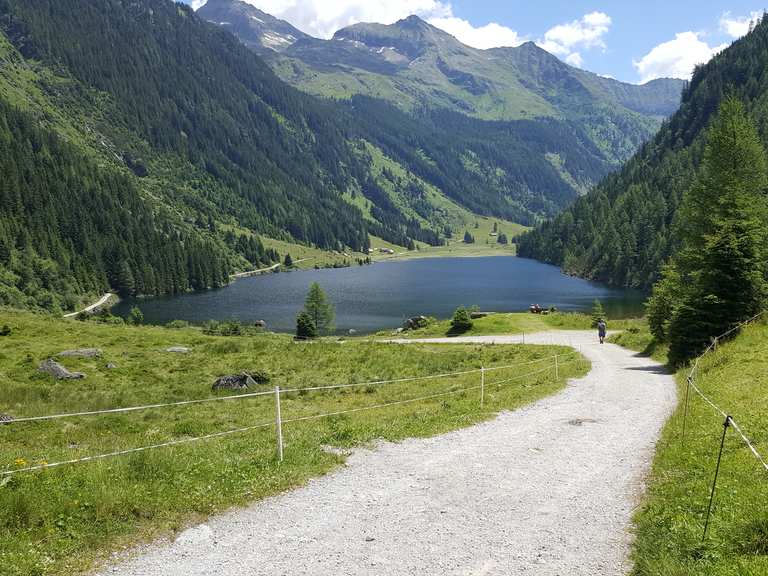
column 517, row 323
column 670, row 523
column 66, row 520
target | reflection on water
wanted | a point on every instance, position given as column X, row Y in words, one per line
column 371, row 298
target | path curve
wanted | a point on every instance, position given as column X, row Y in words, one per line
column 103, row 300
column 545, row 490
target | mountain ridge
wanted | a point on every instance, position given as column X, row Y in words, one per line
column 623, row 231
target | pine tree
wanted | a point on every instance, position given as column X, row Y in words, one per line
column 468, row 238
column 288, row 261
column 722, row 262
column 319, row 309
column 598, row 313
column 461, row 321
column 305, row 327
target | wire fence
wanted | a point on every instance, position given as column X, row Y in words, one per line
column 691, row 386
column 728, row 420
column 554, row 363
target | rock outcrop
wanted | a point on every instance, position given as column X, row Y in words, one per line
column 81, row 353
column 58, row 371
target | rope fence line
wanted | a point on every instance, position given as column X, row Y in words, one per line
column 728, row 422
column 691, row 384
column 134, row 450
column 278, row 419
column 270, row 392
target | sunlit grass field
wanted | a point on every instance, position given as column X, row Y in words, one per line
column 63, row 520
column 670, row 523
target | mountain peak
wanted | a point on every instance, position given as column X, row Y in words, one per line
column 258, row 30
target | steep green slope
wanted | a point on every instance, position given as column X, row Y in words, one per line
column 563, row 129
column 206, row 149
column 623, row 231
column 69, row 226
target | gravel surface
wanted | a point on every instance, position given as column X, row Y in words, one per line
column 547, row 490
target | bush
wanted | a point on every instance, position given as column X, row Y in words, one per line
column 5, row 330
column 177, row 324
column 137, row 316
column 461, row 321
column 305, row 327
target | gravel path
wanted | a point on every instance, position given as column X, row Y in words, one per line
column 547, row 490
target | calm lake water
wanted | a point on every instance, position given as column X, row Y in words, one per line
column 382, row 295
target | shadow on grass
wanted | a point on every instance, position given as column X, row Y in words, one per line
column 454, row 331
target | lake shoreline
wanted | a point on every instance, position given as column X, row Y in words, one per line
column 369, row 299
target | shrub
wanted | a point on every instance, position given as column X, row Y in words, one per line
column 461, row 321
column 137, row 316
column 305, row 327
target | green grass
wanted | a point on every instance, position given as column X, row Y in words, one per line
column 517, row 323
column 65, row 520
column 670, row 523
column 635, row 335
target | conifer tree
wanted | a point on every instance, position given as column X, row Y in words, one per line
column 305, row 328
column 319, row 309
column 722, row 261
column 598, row 313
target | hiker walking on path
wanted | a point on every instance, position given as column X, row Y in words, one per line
column 602, row 328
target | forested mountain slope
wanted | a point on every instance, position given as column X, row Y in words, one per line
column 148, row 152
column 561, row 129
column 623, row 231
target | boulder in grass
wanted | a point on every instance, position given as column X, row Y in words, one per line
column 81, row 353
column 6, row 419
column 178, row 350
column 58, row 371
column 234, row 382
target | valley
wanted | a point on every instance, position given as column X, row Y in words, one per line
column 311, row 287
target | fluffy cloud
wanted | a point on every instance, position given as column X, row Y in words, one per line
column 738, row 27
column 491, row 35
column 566, row 40
column 321, row 18
column 676, row 58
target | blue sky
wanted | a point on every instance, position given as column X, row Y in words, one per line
column 633, row 41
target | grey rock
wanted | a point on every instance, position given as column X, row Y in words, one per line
column 234, row 382
column 111, row 366
column 82, row 353
column 178, row 350
column 58, row 371
column 415, row 323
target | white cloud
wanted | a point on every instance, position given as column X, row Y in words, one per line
column 565, row 40
column 738, row 26
column 491, row 35
column 322, row 18
column 574, row 59
column 676, row 58
column 197, row 4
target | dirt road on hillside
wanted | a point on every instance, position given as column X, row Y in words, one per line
column 545, row 490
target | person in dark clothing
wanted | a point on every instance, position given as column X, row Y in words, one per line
column 602, row 328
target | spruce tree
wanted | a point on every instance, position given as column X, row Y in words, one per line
column 319, row 309
column 722, row 261
column 305, row 328
column 598, row 313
